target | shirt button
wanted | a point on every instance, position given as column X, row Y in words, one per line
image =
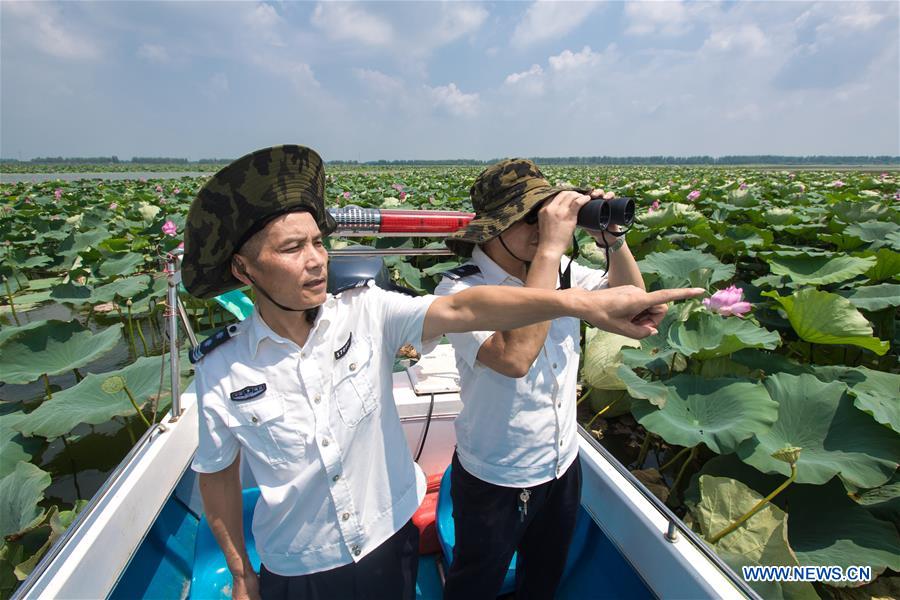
column 554, row 365
column 325, row 442
column 352, row 366
column 560, row 443
column 317, row 399
column 254, row 419
column 336, row 478
column 559, row 405
column 345, row 516
column 356, row 551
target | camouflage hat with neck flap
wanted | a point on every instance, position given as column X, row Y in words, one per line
column 239, row 201
column 502, row 195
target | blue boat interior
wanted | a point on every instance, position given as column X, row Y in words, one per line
column 180, row 558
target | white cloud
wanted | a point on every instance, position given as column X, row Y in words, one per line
column 301, row 77
column 742, row 38
column 51, row 33
column 348, row 22
column 453, row 100
column 668, row 17
column 378, row 82
column 530, row 81
column 457, row 20
column 568, row 60
column 546, row 20
column 264, row 22
column 153, row 53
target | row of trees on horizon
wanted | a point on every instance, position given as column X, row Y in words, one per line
column 756, row 159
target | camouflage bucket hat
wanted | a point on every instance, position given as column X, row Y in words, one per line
column 502, row 195
column 241, row 198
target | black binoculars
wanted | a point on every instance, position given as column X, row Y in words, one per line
column 599, row 214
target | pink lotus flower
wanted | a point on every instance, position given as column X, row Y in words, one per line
column 346, row 195
column 743, row 186
column 143, row 180
column 162, row 200
column 403, row 196
column 896, row 195
column 693, row 195
column 57, row 193
column 791, row 175
column 801, row 187
column 837, row 183
column 169, row 228
column 432, row 199
column 113, row 206
column 176, row 190
column 729, row 301
column 397, row 187
column 653, row 207
column 159, row 189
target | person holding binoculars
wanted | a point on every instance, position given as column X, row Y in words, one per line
column 516, row 476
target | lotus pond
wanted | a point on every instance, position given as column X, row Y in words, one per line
column 778, row 397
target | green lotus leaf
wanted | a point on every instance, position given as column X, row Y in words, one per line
column 877, row 233
column 20, row 492
column 654, row 392
column 857, row 211
column 819, row 270
column 53, row 348
column 887, row 265
column 781, row 216
column 884, row 501
column 874, row 297
column 825, row 318
column 124, row 264
column 120, row 288
column 828, row 528
column 113, row 385
column 13, row 447
column 761, row 540
column 875, row 392
column 11, row 332
column 742, row 198
column 825, row 527
column 680, row 268
column 71, row 293
column 87, row 402
column 602, row 357
column 835, row 436
column 720, row 413
column 706, row 335
column 670, row 214
column 148, row 211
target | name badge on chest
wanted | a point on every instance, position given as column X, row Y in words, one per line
column 248, row 393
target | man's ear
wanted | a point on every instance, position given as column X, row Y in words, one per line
column 239, row 270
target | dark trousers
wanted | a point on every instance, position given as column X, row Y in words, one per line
column 489, row 529
column 387, row 572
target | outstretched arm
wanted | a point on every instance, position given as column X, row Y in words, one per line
column 222, row 502
column 626, row 310
column 511, row 352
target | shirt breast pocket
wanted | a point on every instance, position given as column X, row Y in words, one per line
column 353, row 389
column 262, row 423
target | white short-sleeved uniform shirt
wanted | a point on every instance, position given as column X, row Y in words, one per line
column 318, row 427
column 518, row 432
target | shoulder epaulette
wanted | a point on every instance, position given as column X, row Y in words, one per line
column 461, row 271
column 352, row 286
column 212, row 342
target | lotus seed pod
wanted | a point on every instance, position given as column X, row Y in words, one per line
column 128, row 302
column 788, row 454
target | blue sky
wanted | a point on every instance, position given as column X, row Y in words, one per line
column 432, row 80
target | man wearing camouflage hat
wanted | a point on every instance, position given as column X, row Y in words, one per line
column 302, row 389
column 516, row 477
